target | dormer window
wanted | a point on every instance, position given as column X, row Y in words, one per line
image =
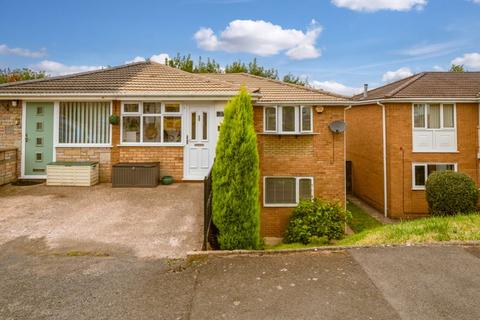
column 288, row 119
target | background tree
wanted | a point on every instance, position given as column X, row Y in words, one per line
column 8, row 75
column 290, row 78
column 211, row 66
column 236, row 209
column 236, row 67
column 184, row 63
column 457, row 68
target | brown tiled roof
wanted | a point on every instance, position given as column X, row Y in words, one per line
column 429, row 85
column 138, row 78
column 274, row 91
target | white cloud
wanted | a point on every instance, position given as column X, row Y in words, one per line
column 469, row 60
column 136, row 59
column 438, row 68
column 399, row 74
column 335, row 87
column 54, row 68
column 6, row 50
column 430, row 49
column 376, row 5
column 158, row 58
column 262, row 38
column 476, row 1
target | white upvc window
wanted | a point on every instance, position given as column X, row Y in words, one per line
column 434, row 127
column 151, row 123
column 288, row 119
column 421, row 171
column 82, row 123
column 286, row 191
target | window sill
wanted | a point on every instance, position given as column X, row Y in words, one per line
column 83, row 145
column 436, row 151
column 280, row 205
column 151, row 145
column 287, row 133
column 418, row 189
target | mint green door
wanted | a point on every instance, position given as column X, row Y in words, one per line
column 38, row 137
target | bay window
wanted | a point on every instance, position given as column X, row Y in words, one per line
column 434, row 127
column 421, row 171
column 84, row 123
column 151, row 123
column 287, row 191
column 288, row 119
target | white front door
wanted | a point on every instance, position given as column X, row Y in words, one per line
column 199, row 149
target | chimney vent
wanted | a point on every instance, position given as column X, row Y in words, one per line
column 365, row 90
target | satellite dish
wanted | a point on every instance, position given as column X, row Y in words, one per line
column 337, row 126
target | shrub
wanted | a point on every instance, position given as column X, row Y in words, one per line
column 236, row 208
column 317, row 222
column 450, row 193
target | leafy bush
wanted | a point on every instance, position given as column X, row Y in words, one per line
column 450, row 193
column 236, row 209
column 316, row 221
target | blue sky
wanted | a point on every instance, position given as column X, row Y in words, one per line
column 337, row 44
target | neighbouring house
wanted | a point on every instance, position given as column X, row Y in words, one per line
column 172, row 117
column 400, row 133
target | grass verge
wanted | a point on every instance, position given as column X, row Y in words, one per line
column 360, row 219
column 427, row 230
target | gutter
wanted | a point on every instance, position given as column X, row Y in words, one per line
column 384, row 147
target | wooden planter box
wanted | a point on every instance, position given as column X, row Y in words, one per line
column 140, row 175
column 83, row 174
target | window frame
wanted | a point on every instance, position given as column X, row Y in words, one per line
column 161, row 115
column 298, row 123
column 442, row 124
column 265, row 119
column 56, row 130
column 297, row 191
column 425, row 128
column 416, row 187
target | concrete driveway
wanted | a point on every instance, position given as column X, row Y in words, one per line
column 166, row 221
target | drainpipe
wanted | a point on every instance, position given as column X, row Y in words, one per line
column 345, row 156
column 478, row 132
column 384, row 138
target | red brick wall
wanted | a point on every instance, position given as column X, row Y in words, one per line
column 364, row 144
column 320, row 156
column 170, row 158
column 8, row 165
column 100, row 155
column 403, row 201
column 364, row 150
column 11, row 127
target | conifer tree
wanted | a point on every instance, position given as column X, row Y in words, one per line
column 236, row 209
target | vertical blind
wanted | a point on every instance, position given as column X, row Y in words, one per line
column 84, row 122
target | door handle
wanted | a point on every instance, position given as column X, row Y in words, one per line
column 187, row 138
column 26, row 137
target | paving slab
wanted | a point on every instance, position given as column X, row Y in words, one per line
column 438, row 282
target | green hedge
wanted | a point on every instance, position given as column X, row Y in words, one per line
column 450, row 193
column 316, row 221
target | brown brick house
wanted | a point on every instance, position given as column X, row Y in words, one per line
column 399, row 133
column 172, row 117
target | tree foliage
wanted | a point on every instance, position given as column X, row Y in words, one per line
column 236, row 210
column 9, row 75
column 457, row 68
column 290, row 78
column 252, row 68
